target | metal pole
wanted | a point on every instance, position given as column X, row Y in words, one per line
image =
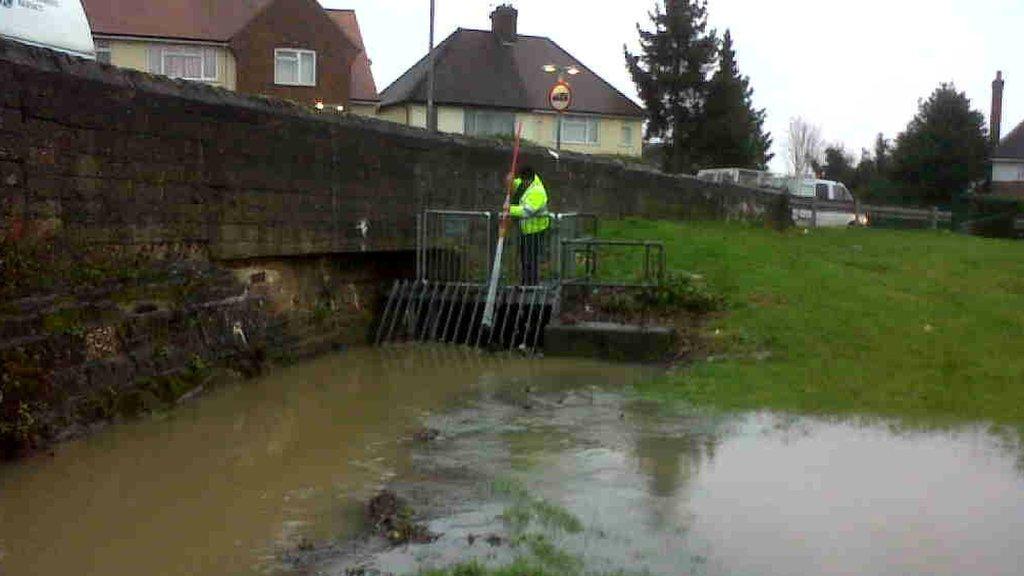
column 558, row 138
column 431, row 109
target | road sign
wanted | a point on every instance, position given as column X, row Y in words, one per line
column 560, row 96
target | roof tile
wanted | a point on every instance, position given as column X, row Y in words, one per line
column 363, row 86
column 473, row 68
column 1012, row 146
column 208, row 20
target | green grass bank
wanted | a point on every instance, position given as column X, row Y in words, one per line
column 851, row 321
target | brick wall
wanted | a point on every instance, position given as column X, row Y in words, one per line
column 119, row 157
column 295, row 24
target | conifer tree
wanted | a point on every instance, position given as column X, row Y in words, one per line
column 732, row 132
column 671, row 75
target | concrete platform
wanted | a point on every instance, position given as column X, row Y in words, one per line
column 607, row 341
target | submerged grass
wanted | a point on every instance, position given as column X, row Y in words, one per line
column 879, row 322
column 534, row 526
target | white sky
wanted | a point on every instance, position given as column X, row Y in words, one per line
column 853, row 68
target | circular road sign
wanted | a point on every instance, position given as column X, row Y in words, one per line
column 560, row 96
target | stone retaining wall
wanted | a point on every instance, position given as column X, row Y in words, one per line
column 118, row 157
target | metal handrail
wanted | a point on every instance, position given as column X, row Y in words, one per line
column 654, row 263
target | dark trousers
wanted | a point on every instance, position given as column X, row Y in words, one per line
column 531, row 250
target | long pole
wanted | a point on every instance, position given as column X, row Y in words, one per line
column 431, row 109
column 558, row 139
column 492, row 288
column 561, row 115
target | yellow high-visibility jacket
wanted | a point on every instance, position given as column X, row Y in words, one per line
column 532, row 209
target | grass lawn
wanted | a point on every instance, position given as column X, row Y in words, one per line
column 879, row 322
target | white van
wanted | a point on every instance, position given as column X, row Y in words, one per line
column 55, row 24
column 743, row 177
column 826, row 191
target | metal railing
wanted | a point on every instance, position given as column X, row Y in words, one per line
column 815, row 212
column 458, row 246
column 454, row 246
column 612, row 263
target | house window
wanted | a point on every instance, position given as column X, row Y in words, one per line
column 489, row 123
column 579, row 130
column 103, row 51
column 294, row 67
column 627, row 135
column 185, row 62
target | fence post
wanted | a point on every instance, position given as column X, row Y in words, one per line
column 814, row 212
column 935, row 217
column 420, row 241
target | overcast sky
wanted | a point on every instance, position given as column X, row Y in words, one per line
column 853, row 68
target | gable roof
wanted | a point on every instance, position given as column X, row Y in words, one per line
column 1012, row 147
column 363, row 87
column 205, row 20
column 214, row 21
column 473, row 68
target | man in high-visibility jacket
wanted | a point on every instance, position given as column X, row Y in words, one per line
column 531, row 209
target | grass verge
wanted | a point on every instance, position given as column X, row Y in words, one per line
column 879, row 322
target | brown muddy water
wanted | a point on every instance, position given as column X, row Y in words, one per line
column 271, row 477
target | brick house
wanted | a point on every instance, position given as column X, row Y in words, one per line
column 487, row 81
column 1007, row 153
column 1008, row 165
column 293, row 49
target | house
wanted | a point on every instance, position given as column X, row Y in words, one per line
column 292, row 49
column 1008, row 153
column 487, row 81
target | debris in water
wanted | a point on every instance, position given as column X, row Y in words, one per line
column 392, row 518
column 494, row 540
column 426, row 435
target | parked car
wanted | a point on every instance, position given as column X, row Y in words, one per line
column 828, row 215
column 57, row 25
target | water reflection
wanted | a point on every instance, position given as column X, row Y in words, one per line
column 682, row 492
column 226, row 485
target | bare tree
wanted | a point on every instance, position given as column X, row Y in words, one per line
column 804, row 147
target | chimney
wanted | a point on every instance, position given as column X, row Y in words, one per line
column 997, row 109
column 504, row 21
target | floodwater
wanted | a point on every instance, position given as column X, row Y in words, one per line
column 240, row 481
column 229, row 483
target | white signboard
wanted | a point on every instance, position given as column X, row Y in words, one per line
column 56, row 24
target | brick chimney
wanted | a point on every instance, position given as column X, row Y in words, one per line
column 997, row 109
column 504, row 23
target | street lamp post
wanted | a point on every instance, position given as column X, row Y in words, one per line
column 561, row 72
column 431, row 108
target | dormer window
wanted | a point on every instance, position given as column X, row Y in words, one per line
column 294, row 67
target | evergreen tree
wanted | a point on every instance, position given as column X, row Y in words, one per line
column 671, row 75
column 838, row 165
column 732, row 132
column 883, row 153
column 943, row 149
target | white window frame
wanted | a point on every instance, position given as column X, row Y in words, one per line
column 592, row 131
column 471, row 122
column 206, row 56
column 623, row 140
column 297, row 54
